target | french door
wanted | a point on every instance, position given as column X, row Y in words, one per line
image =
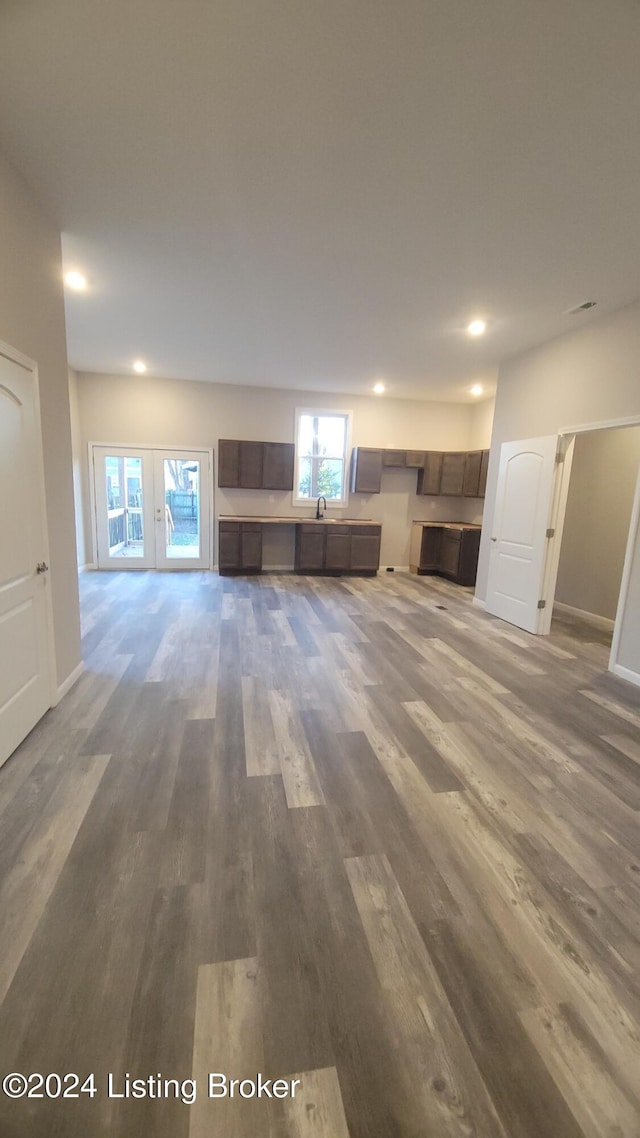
column 152, row 508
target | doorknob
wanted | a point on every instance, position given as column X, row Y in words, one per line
column 42, row 567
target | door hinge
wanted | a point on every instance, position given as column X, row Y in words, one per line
column 551, row 533
column 560, row 456
column 542, row 604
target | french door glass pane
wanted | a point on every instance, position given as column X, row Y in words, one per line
column 182, row 507
column 124, row 505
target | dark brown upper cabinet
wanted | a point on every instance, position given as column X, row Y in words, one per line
column 394, row 457
column 453, row 464
column 416, row 459
column 251, row 464
column 248, row 465
column 277, row 470
column 471, row 485
column 366, row 470
column 228, row 462
column 430, row 476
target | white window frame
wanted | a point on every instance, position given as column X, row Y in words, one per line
column 333, row 503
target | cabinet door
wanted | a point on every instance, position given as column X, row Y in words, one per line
column 365, row 549
column 450, row 553
column 468, row 564
column 251, row 547
column 251, row 456
column 430, row 550
column 394, row 457
column 484, row 466
column 430, row 477
column 471, row 484
column 229, row 546
column 310, row 543
column 277, row 470
column 453, row 463
column 415, row 458
column 338, row 549
column 228, row 462
column 366, row 470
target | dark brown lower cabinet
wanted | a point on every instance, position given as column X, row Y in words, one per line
column 324, row 548
column 450, row 551
column 239, row 547
column 310, row 543
column 337, row 554
column 365, row 549
column 335, row 549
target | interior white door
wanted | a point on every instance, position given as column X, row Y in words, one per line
column 25, row 680
column 524, row 502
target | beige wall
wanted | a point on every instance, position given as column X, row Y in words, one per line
column 588, row 376
column 76, row 450
column 149, row 411
column 32, row 320
column 482, row 424
column 596, row 528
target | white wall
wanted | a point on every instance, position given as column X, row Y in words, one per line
column 596, row 528
column 588, row 376
column 32, row 320
column 129, row 411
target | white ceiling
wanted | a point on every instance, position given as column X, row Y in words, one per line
column 320, row 193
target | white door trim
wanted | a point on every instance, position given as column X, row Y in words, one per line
column 634, row 537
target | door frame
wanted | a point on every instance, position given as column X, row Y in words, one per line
column 566, row 438
column 17, row 357
column 146, row 447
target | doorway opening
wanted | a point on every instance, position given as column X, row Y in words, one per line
column 151, row 507
column 595, row 533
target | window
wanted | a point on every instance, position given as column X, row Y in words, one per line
column 322, row 446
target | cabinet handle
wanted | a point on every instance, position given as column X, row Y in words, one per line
column 494, row 539
column 42, row 567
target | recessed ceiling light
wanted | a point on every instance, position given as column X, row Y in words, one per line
column 75, row 280
column 477, row 389
column 378, row 388
column 477, row 327
column 139, row 366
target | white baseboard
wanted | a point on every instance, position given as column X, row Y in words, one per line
column 480, row 604
column 67, row 684
column 582, row 614
column 626, row 674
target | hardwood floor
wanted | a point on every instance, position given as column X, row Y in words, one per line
column 354, row 833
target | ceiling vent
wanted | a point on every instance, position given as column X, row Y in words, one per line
column 584, row 307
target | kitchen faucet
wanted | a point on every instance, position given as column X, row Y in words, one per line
column 320, row 499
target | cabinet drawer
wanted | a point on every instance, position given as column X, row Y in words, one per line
column 251, row 527
column 365, row 531
column 229, row 527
